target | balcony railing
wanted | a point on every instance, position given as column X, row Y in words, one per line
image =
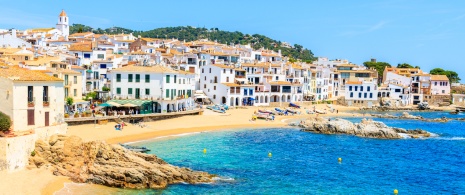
column 286, row 91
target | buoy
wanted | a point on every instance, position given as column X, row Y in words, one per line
column 204, row 150
column 396, row 191
column 339, row 159
column 269, row 154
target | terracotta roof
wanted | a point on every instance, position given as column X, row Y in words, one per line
column 63, row 13
column 353, row 82
column 439, row 78
column 231, row 84
column 153, row 69
column 77, row 67
column 81, row 34
column 280, row 83
column 223, row 66
column 21, row 74
column 67, row 71
column 81, row 47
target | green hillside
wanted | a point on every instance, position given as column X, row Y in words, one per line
column 191, row 33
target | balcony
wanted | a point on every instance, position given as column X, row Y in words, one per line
column 30, row 102
column 46, row 101
column 287, row 91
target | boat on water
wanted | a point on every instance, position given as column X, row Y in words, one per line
column 135, row 148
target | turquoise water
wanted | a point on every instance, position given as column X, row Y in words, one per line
column 306, row 163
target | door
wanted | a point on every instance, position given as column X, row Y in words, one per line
column 192, row 69
column 47, row 119
column 30, row 117
column 137, row 93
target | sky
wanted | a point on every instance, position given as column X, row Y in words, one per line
column 422, row 33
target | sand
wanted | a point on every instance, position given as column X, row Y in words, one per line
column 42, row 181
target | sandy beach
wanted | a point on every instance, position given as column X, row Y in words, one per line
column 42, row 181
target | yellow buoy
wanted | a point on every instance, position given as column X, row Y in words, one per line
column 339, row 159
column 204, row 150
column 396, row 191
column 269, row 154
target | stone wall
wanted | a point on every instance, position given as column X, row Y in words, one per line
column 435, row 100
column 458, row 99
column 362, row 103
column 15, row 151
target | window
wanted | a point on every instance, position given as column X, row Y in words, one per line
column 167, row 78
column 129, row 91
column 130, row 78
column 204, row 86
column 365, row 95
column 45, row 94
column 26, row 58
column 224, row 71
column 87, row 55
column 361, row 88
column 435, row 83
column 245, row 91
column 214, row 87
column 356, row 88
column 205, row 78
column 250, row 91
column 443, row 91
column 30, row 93
column 227, row 79
column 174, row 78
column 137, row 78
column 277, row 78
column 210, row 70
column 179, row 81
column 167, row 93
column 184, row 81
column 214, row 96
column 75, row 79
column 350, row 88
column 351, row 94
column 147, row 78
column 118, row 78
column 75, row 92
column 397, row 90
column 359, row 95
column 371, row 95
column 202, row 70
column 118, row 91
column 147, row 91
column 103, row 66
column 230, row 71
column 100, row 56
column 368, row 88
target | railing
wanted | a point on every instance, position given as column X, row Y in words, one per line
column 286, row 91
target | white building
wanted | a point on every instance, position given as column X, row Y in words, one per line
column 361, row 93
column 168, row 90
column 63, row 24
column 9, row 39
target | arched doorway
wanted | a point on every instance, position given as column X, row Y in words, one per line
column 223, row 100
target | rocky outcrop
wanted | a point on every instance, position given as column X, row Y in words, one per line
column 111, row 165
column 406, row 115
column 366, row 128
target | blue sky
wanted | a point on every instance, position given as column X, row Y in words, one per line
column 428, row 34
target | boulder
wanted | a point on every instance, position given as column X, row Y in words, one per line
column 112, row 165
column 366, row 128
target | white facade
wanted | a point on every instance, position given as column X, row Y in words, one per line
column 361, row 92
column 63, row 24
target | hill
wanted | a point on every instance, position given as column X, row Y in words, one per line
column 192, row 33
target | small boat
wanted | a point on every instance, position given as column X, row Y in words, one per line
column 292, row 111
column 265, row 111
column 226, row 107
column 320, row 112
column 135, row 148
column 294, row 105
column 217, row 108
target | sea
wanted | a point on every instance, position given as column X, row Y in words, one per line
column 307, row 163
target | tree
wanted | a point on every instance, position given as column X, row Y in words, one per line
column 379, row 66
column 105, row 88
column 69, row 101
column 452, row 75
column 405, row 65
column 5, row 122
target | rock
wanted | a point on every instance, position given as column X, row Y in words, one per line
column 111, row 165
column 423, row 106
column 406, row 115
column 366, row 128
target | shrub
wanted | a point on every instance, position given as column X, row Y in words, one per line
column 105, row 88
column 33, row 153
column 5, row 122
column 69, row 101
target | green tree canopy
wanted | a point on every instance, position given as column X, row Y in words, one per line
column 189, row 33
column 452, row 75
column 404, row 65
column 379, row 66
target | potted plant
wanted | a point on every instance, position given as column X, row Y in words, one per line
column 76, row 115
column 66, row 115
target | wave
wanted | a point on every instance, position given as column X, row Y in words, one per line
column 451, row 138
column 226, row 179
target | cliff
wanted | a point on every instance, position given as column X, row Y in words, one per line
column 111, row 165
column 366, row 128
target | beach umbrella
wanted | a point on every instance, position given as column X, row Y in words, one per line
column 129, row 105
column 105, row 105
column 114, row 104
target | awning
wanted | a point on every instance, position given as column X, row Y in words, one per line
column 136, row 102
column 89, row 71
column 80, row 102
column 89, row 83
column 201, row 96
column 242, row 80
